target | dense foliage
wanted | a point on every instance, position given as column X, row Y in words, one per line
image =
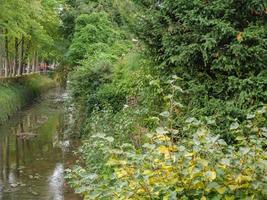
column 170, row 98
column 215, row 37
column 218, row 47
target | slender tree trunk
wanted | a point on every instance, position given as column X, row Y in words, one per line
column 21, row 60
column 36, row 62
column 6, row 55
column 33, row 62
column 1, row 53
column 1, row 160
column 16, row 60
column 28, row 65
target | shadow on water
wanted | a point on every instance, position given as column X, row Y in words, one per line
column 35, row 148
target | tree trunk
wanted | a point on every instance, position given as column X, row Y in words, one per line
column 33, row 62
column 36, row 62
column 6, row 55
column 28, row 66
column 16, row 60
column 1, row 53
column 21, row 60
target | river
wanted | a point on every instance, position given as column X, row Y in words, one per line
column 35, row 149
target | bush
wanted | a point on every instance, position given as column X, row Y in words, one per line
column 106, row 95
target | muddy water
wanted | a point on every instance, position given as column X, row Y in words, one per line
column 35, row 148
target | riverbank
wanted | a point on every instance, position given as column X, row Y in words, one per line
column 35, row 148
column 16, row 92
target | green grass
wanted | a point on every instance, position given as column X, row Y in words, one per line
column 18, row 91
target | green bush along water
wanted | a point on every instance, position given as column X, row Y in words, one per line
column 16, row 92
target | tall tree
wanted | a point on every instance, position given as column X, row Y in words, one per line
column 33, row 22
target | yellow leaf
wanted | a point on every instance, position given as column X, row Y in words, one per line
column 203, row 198
column 221, row 190
column 166, row 150
column 188, row 154
column 242, row 178
column 163, row 149
column 233, row 187
column 211, row 175
column 121, row 173
column 140, row 191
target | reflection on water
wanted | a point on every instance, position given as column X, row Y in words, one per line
column 56, row 182
column 34, row 150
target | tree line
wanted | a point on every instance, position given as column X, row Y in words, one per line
column 28, row 31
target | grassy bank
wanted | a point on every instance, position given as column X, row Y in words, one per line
column 18, row 91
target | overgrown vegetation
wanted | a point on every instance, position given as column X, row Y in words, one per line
column 170, row 98
column 18, row 91
column 218, row 48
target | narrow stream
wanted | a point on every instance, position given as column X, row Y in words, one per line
column 35, row 148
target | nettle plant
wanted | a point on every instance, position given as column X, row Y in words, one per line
column 173, row 165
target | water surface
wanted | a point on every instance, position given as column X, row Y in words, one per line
column 35, row 148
